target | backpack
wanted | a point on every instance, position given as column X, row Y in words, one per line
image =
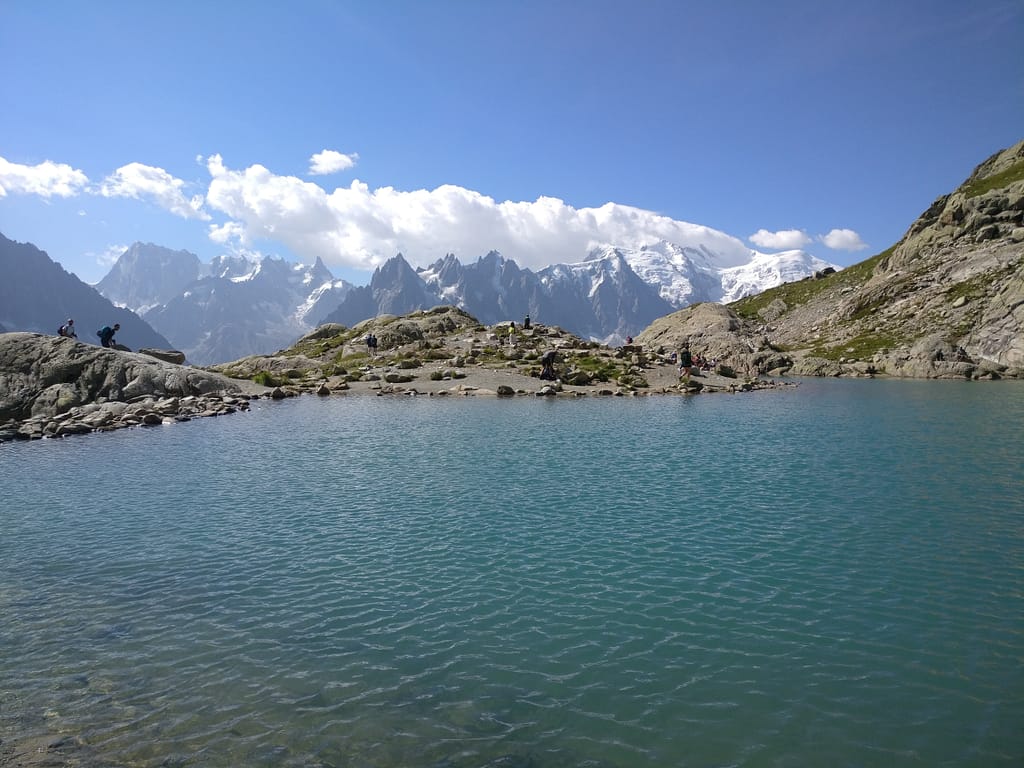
column 61, row 330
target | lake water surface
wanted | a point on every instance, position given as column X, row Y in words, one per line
column 826, row 575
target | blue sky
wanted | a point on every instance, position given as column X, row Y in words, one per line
column 352, row 130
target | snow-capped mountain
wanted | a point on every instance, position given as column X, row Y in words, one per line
column 236, row 306
column 613, row 293
column 687, row 275
column 226, row 309
column 766, row 270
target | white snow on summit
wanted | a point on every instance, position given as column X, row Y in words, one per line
column 767, row 270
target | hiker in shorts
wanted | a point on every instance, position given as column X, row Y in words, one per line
column 685, row 361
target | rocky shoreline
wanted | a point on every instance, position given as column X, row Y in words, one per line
column 53, row 387
column 104, row 417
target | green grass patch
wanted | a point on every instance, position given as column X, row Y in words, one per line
column 600, row 368
column 861, row 347
column 267, row 379
column 997, row 181
column 799, row 293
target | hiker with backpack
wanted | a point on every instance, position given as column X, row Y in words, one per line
column 106, row 334
column 68, row 330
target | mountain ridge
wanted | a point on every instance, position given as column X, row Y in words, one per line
column 235, row 305
column 37, row 294
column 945, row 301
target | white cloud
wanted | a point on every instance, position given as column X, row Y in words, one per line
column 330, row 161
column 783, row 240
column 361, row 228
column 110, row 255
column 47, row 179
column 843, row 240
column 140, row 181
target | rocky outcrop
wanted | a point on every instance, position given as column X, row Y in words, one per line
column 946, row 301
column 445, row 351
column 715, row 332
column 53, row 386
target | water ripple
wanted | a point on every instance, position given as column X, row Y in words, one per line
column 720, row 581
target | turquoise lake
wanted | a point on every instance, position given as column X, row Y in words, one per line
column 830, row 574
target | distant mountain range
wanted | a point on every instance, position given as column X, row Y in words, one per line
column 614, row 293
column 37, row 294
column 226, row 309
column 234, row 306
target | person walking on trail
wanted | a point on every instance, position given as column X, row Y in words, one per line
column 68, row 330
column 106, row 334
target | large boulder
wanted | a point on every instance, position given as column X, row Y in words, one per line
column 47, row 375
column 713, row 331
column 167, row 355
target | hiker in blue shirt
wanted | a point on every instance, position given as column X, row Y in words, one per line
column 106, row 334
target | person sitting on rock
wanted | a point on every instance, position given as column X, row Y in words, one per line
column 106, row 334
column 68, row 330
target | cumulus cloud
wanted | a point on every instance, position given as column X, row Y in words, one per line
column 330, row 161
column 47, row 179
column 783, row 240
column 361, row 228
column 843, row 240
column 144, row 182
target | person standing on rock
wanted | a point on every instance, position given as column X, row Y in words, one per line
column 106, row 334
column 68, row 330
column 685, row 360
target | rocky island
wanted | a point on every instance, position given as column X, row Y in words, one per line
column 52, row 387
